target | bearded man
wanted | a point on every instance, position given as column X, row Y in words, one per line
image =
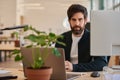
column 77, row 40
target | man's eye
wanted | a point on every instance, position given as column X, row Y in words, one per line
column 73, row 19
column 80, row 19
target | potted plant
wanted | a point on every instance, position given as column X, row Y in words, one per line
column 15, row 35
column 38, row 39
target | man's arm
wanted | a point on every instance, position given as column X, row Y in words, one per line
column 96, row 64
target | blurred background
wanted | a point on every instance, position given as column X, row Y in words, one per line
column 46, row 15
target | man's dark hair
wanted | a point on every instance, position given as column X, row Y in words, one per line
column 74, row 8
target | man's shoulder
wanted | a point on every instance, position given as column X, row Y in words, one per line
column 87, row 32
column 67, row 33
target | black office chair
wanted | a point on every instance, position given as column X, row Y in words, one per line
column 87, row 26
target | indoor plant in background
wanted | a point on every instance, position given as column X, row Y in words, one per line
column 38, row 39
column 15, row 36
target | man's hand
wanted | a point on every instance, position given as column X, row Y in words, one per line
column 68, row 66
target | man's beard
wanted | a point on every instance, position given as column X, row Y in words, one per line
column 77, row 31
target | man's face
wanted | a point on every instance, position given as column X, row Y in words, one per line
column 77, row 23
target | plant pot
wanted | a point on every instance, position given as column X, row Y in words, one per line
column 43, row 73
column 17, row 43
column 12, row 36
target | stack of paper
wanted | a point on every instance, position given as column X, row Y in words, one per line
column 5, row 73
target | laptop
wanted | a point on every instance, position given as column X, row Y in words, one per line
column 57, row 63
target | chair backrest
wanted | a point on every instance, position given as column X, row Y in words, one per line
column 88, row 26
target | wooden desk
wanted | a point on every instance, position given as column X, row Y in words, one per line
column 16, row 72
column 86, row 76
column 19, row 73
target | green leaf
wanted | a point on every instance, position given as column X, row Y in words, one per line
column 61, row 43
column 38, row 63
column 31, row 37
column 56, row 52
column 29, row 46
column 60, row 36
column 16, row 51
column 18, row 58
column 16, row 34
column 52, row 34
column 26, row 28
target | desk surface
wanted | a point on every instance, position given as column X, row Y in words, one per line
column 85, row 76
column 16, row 72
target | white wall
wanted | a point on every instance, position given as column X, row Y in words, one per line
column 50, row 18
column 7, row 14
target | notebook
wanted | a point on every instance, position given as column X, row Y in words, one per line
column 57, row 63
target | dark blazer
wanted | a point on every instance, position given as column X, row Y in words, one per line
column 85, row 61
